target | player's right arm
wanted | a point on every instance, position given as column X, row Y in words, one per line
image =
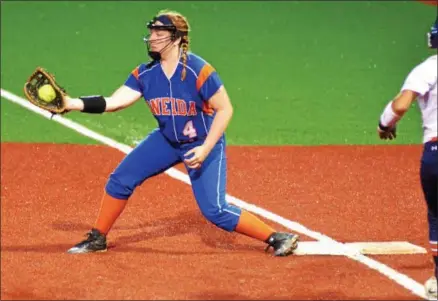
column 122, row 98
column 419, row 81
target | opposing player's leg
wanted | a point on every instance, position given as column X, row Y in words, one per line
column 429, row 183
column 209, row 188
column 149, row 158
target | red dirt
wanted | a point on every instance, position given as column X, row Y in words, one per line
column 162, row 248
column 429, row 2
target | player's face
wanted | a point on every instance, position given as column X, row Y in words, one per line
column 159, row 38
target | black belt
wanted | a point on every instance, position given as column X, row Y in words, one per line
column 191, row 140
column 176, row 143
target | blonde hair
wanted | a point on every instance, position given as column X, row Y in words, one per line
column 182, row 25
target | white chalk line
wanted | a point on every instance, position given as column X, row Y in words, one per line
column 340, row 248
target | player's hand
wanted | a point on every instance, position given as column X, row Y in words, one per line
column 199, row 154
column 387, row 133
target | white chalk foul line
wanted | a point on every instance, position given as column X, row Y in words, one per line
column 340, row 248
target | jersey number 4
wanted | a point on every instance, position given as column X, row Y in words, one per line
column 189, row 130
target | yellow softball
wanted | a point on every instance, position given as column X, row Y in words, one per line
column 46, row 93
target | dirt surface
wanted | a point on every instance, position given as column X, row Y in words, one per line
column 162, row 248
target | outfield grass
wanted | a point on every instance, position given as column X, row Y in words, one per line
column 297, row 72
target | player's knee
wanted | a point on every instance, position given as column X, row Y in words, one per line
column 117, row 188
column 222, row 219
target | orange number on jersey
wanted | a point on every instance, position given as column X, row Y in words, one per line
column 189, row 130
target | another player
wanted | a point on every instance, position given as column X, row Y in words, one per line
column 191, row 105
column 421, row 84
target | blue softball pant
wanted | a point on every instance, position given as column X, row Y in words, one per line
column 429, row 183
column 155, row 154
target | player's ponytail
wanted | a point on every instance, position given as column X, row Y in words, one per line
column 185, row 48
column 182, row 25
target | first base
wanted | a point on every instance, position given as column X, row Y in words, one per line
column 366, row 248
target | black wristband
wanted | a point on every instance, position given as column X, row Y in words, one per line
column 383, row 128
column 95, row 104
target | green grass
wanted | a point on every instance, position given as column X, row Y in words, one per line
column 298, row 72
column 20, row 124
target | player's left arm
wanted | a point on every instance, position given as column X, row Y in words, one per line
column 221, row 104
column 393, row 112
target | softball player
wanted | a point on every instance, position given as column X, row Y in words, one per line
column 421, row 84
column 186, row 96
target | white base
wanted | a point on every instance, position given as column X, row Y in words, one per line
column 366, row 248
